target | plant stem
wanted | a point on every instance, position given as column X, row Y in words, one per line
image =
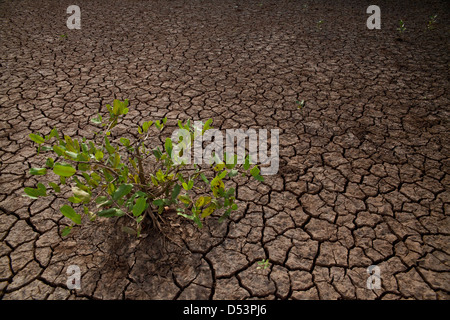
column 141, row 169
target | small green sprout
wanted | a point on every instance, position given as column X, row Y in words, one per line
column 319, row 24
column 432, row 22
column 300, row 104
column 263, row 264
column 401, row 26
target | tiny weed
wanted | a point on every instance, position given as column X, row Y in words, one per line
column 263, row 264
column 319, row 24
column 401, row 26
column 300, row 104
column 432, row 22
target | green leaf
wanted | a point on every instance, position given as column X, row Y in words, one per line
column 255, row 171
column 197, row 221
column 108, row 146
column 230, row 192
column 190, row 217
column 200, row 201
column 219, row 167
column 125, row 141
column 175, row 192
column 96, row 120
column 38, row 171
column 188, row 186
column 64, row 170
column 50, row 162
column 116, row 106
column 103, row 201
column 46, row 148
column 55, row 187
column 69, row 143
column 154, row 181
column 157, row 153
column 112, row 212
column 116, row 160
column 36, row 138
column 207, row 201
column 168, row 146
column 81, row 194
column 233, row 173
column 53, row 133
column 70, row 213
column 76, row 145
column 42, row 190
column 247, row 163
column 204, row 178
column 98, row 155
column 158, row 202
column 84, row 147
column 208, row 211
column 129, row 230
column 65, row 232
column 146, row 125
column 58, row 150
column 231, row 162
column 62, row 180
column 207, row 125
column 139, row 207
column 123, row 190
column 72, row 155
column 259, row 177
column 75, row 200
column 234, row 206
column 223, row 174
column 185, row 199
column 31, row 192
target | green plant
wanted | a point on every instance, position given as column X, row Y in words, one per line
column 63, row 36
column 432, row 22
column 120, row 178
column 401, row 26
column 300, row 104
column 263, row 264
column 319, row 24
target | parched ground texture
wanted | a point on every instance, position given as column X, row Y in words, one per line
column 364, row 166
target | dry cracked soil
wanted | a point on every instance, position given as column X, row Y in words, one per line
column 364, row 165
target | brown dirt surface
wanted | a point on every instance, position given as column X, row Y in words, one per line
column 364, row 166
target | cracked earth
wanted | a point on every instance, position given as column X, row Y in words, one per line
column 364, row 166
